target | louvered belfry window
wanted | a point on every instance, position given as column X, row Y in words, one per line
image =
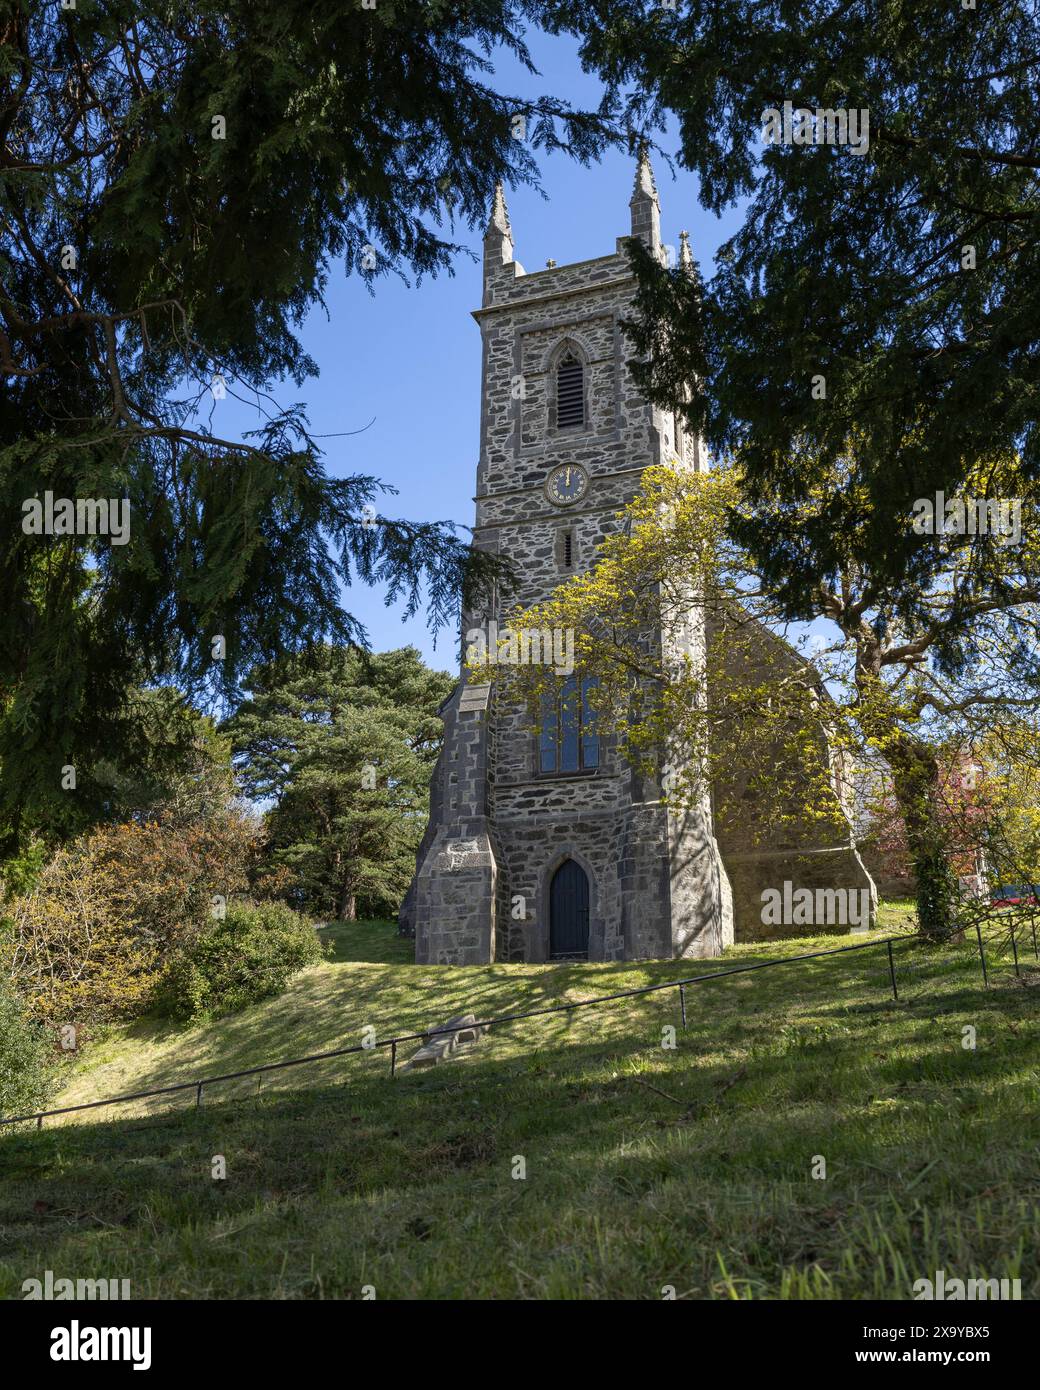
column 570, row 393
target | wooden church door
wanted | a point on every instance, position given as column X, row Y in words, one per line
column 569, row 913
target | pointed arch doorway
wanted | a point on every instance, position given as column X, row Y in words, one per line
column 569, row 913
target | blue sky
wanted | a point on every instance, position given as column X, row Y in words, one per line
column 408, row 359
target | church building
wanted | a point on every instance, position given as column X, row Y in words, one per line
column 550, row 846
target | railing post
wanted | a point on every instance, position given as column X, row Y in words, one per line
column 682, row 1004
column 393, row 1059
column 39, row 1121
column 982, row 953
column 198, row 1095
column 892, row 970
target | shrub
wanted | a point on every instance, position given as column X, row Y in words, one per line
column 250, row 955
column 24, row 1055
column 90, row 941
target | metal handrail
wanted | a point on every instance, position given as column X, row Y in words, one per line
column 392, row 1043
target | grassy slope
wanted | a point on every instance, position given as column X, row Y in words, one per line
column 645, row 1166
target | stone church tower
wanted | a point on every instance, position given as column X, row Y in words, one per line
column 553, row 847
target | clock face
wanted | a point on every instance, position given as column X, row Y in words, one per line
column 567, row 484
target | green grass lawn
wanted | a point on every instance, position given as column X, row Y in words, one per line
column 645, row 1166
column 895, row 914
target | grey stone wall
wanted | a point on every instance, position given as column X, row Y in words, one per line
column 454, row 896
column 764, row 846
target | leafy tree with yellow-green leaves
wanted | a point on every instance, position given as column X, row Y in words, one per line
column 1012, row 766
column 886, row 674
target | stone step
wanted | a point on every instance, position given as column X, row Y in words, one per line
column 464, row 1027
column 442, row 1040
column 431, row 1053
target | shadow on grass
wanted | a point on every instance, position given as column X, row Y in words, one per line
column 658, row 1156
column 327, row 1008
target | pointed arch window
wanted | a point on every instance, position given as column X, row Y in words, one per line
column 570, row 392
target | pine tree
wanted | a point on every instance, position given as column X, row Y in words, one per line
column 177, row 183
column 889, row 292
column 344, row 745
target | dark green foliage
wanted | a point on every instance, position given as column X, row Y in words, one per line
column 24, row 1070
column 847, row 266
column 20, row 872
column 194, row 258
column 170, row 764
column 344, row 744
column 249, row 955
column 184, row 772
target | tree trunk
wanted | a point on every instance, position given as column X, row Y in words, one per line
column 915, row 772
column 348, row 907
column 916, row 781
